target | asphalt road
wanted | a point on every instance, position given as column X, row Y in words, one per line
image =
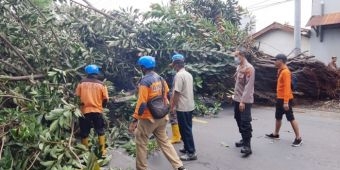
column 215, row 137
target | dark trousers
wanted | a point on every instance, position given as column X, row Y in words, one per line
column 243, row 120
column 185, row 128
column 91, row 120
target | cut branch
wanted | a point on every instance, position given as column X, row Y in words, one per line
column 8, row 43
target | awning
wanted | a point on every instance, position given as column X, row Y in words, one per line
column 328, row 19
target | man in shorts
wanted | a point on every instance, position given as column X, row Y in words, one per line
column 284, row 100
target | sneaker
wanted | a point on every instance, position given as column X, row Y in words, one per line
column 188, row 157
column 183, row 150
column 272, row 136
column 182, row 168
column 297, row 142
column 239, row 144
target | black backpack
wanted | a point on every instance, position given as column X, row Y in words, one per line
column 157, row 105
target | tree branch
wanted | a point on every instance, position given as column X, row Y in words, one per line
column 27, row 31
column 2, row 145
column 18, row 78
column 2, row 140
column 3, row 37
column 53, row 33
column 100, row 12
column 18, row 97
column 70, row 142
column 88, row 3
column 12, row 66
column 24, row 26
column 35, row 158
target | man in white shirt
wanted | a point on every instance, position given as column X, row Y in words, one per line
column 183, row 104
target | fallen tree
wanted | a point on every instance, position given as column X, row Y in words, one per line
column 314, row 81
column 44, row 52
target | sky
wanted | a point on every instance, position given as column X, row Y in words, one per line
column 264, row 11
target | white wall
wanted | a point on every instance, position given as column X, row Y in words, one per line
column 278, row 41
column 331, row 40
column 328, row 48
column 331, row 6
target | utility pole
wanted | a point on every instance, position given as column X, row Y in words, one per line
column 297, row 27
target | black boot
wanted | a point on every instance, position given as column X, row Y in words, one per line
column 182, row 168
column 246, row 150
column 239, row 143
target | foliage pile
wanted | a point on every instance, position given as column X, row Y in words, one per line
column 46, row 43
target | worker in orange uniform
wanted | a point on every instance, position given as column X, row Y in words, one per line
column 93, row 96
column 284, row 100
column 144, row 124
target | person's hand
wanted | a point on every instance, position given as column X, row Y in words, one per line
column 172, row 109
column 286, row 106
column 172, row 112
column 132, row 127
column 241, row 107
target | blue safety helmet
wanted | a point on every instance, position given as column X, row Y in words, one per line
column 147, row 62
column 177, row 57
column 92, row 69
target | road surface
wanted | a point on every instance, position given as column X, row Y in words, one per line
column 215, row 137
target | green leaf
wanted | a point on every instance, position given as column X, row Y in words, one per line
column 51, row 73
column 54, row 125
column 47, row 163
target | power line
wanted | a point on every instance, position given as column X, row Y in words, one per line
column 268, row 5
column 257, row 4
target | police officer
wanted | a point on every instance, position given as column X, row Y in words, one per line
column 243, row 99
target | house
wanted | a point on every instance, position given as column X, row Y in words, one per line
column 279, row 38
column 325, row 23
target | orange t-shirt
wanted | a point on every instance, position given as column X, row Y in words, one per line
column 92, row 93
column 284, row 83
column 149, row 87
